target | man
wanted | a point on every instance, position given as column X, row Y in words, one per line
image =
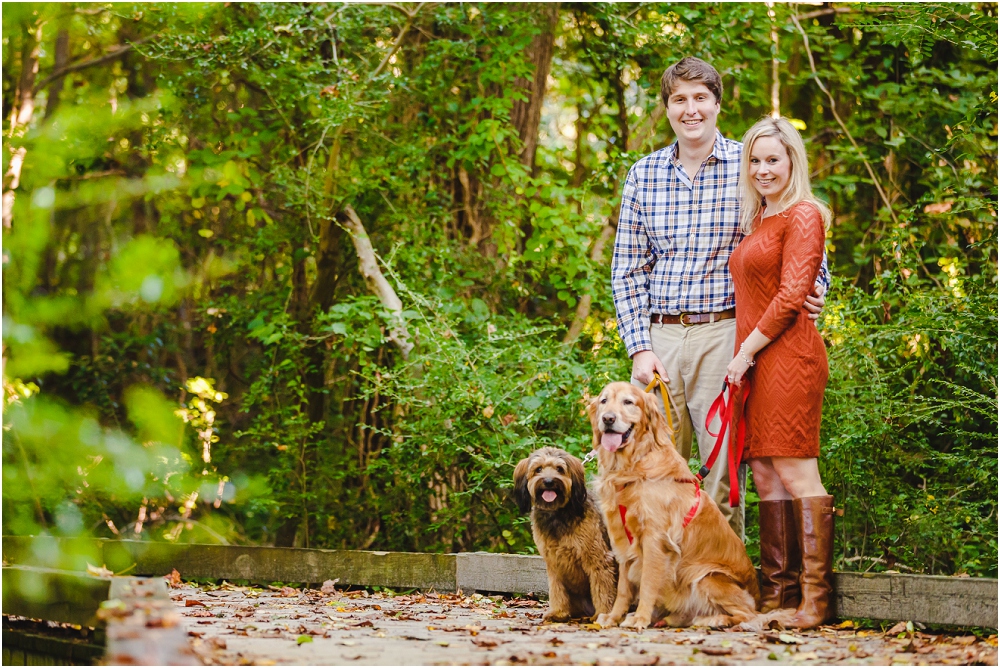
column 674, row 298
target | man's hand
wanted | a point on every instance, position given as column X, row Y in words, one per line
column 815, row 301
column 644, row 364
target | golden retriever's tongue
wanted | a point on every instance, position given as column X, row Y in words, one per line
column 549, row 496
column 611, row 441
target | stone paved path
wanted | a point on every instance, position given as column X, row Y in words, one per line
column 249, row 626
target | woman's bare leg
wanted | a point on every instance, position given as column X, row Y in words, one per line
column 798, row 475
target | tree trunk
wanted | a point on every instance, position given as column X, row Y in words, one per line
column 61, row 60
column 21, row 114
column 526, row 115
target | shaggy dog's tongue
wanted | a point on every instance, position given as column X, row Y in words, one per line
column 548, row 496
column 611, row 441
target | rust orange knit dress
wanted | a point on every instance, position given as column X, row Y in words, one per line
column 773, row 271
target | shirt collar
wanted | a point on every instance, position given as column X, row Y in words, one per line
column 721, row 150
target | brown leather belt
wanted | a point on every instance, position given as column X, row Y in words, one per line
column 688, row 319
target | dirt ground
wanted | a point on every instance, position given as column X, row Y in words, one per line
column 232, row 625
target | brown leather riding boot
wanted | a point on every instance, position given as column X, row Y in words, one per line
column 780, row 558
column 814, row 517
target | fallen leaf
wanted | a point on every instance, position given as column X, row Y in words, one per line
column 191, row 602
column 485, row 642
column 99, row 571
column 217, row 642
column 846, row 624
column 166, row 621
column 330, row 586
column 199, row 613
column 964, row 640
column 443, row 643
column 715, row 651
column 789, row 639
column 304, row 638
column 174, row 579
column 898, row 628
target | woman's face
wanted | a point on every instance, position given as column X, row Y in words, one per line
column 770, row 167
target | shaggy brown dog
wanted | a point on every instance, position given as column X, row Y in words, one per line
column 698, row 574
column 569, row 533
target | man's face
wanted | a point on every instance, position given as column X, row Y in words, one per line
column 692, row 110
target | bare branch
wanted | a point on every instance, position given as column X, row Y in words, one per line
column 117, row 52
column 377, row 283
column 846, row 10
column 840, row 122
column 399, row 38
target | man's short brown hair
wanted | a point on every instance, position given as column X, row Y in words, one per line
column 692, row 70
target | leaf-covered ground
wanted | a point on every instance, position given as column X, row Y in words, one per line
column 233, row 625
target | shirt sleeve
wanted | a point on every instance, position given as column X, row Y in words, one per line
column 801, row 256
column 631, row 266
column 824, row 271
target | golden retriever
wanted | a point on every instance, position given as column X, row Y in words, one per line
column 568, row 532
column 698, row 574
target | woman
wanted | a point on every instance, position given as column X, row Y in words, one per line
column 773, row 270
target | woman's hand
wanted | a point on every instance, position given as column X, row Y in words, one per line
column 736, row 370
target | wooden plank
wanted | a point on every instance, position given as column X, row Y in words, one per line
column 516, row 573
column 50, row 594
column 931, row 599
column 144, row 626
column 276, row 564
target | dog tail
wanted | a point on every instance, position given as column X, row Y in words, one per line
column 775, row 619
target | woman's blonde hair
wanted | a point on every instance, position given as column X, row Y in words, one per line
column 798, row 188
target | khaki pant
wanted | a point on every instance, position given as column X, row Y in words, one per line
column 696, row 358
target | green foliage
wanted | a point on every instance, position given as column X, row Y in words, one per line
column 910, row 423
column 187, row 333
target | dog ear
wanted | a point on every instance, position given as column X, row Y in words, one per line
column 592, row 408
column 578, row 480
column 522, row 497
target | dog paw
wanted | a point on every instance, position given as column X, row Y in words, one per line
column 555, row 616
column 605, row 620
column 636, row 621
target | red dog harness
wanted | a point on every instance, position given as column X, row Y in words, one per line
column 622, row 510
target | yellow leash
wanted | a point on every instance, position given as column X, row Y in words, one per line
column 666, row 399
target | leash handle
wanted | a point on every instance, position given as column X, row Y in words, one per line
column 724, row 409
column 667, row 402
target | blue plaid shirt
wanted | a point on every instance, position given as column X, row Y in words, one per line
column 674, row 239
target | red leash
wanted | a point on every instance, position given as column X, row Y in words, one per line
column 724, row 409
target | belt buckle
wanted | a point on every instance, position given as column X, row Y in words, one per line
column 686, row 324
